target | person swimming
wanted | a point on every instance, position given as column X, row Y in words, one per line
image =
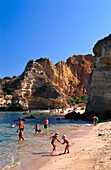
column 12, row 125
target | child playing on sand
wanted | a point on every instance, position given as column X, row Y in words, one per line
column 54, row 137
column 67, row 143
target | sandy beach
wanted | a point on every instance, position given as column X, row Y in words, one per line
column 77, row 108
column 93, row 151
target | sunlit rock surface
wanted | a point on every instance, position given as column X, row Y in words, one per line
column 43, row 85
column 99, row 102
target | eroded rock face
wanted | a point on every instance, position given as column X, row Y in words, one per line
column 18, row 103
column 43, row 85
column 100, row 93
column 60, row 74
column 38, row 87
column 102, row 50
column 5, row 102
column 82, row 67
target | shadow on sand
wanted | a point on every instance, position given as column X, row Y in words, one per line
column 48, row 154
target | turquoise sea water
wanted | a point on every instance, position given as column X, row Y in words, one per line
column 12, row 151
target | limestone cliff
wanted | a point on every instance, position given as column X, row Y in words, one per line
column 99, row 102
column 81, row 67
column 44, row 85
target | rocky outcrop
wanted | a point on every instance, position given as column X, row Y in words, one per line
column 60, row 74
column 71, row 76
column 44, row 85
column 82, row 67
column 73, row 115
column 99, row 102
column 5, row 102
column 33, row 89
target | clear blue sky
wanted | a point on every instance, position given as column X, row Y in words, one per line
column 56, row 29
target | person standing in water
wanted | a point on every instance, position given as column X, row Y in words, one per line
column 36, row 127
column 21, row 128
column 46, row 123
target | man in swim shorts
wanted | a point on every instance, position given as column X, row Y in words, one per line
column 21, row 128
column 46, row 123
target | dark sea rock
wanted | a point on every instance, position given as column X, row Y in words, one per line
column 21, row 119
column 73, row 115
column 24, row 113
column 58, row 118
column 30, row 117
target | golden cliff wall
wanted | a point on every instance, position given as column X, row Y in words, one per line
column 100, row 91
column 44, row 85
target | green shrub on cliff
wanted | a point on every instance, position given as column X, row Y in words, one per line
column 73, row 101
column 82, row 99
column 7, row 77
column 4, row 93
column 46, row 86
column 70, row 100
